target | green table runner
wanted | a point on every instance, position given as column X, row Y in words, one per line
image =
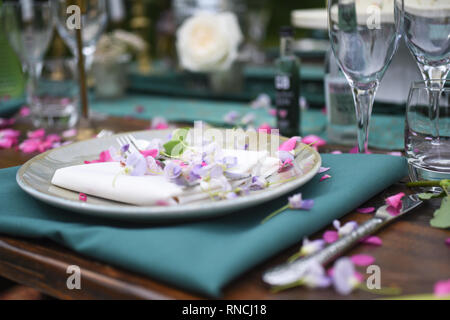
column 386, row 131
column 202, row 256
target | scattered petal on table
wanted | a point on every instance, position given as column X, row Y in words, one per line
column 366, row 210
column 372, row 240
column 442, row 288
column 37, row 134
column 82, row 197
column 330, row 236
column 362, row 260
column 323, row 169
column 395, row 153
column 325, row 177
column 447, row 241
column 70, row 133
column 336, row 152
column 314, row 141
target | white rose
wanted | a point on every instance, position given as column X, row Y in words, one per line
column 208, row 42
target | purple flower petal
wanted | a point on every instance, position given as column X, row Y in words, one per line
column 447, row 241
column 323, row 169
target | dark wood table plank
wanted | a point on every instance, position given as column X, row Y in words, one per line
column 413, row 256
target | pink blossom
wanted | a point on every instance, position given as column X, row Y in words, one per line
column 265, row 127
column 139, row 109
column 37, row 134
column 272, row 112
column 362, row 260
column 314, row 141
column 104, row 156
column 356, row 150
column 53, row 138
column 6, row 122
column 283, row 113
column 9, row 133
column 149, row 153
column 442, row 288
column 330, row 236
column 30, row 145
column 288, row 145
column 82, row 197
column 24, row 111
column 395, row 203
column 159, row 123
column 325, row 177
column 372, row 240
column 8, row 138
column 366, row 210
column 70, row 133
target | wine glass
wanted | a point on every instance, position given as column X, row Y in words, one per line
column 93, row 21
column 29, row 29
column 426, row 28
column 364, row 37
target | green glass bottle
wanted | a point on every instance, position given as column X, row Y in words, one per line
column 287, row 86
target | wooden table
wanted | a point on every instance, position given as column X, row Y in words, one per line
column 413, row 256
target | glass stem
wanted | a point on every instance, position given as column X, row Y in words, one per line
column 363, row 106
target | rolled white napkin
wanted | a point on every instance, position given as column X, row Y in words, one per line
column 106, row 180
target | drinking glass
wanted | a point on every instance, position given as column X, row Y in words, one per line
column 29, row 29
column 56, row 97
column 428, row 158
column 364, row 37
column 426, row 28
column 93, row 21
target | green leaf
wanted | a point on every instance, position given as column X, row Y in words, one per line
column 442, row 215
column 174, row 148
column 428, row 196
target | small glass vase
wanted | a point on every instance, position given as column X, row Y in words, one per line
column 111, row 77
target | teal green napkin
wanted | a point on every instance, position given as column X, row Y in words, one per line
column 202, row 256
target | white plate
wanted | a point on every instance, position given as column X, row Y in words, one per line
column 35, row 175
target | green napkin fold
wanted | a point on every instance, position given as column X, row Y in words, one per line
column 202, row 256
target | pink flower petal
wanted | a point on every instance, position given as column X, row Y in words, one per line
column 7, row 143
column 336, row 152
column 6, row 122
column 283, row 113
column 447, row 241
column 24, row 111
column 30, row 145
column 323, row 169
column 139, row 109
column 325, row 177
column 372, row 240
column 395, row 203
column 362, row 260
column 104, row 156
column 82, row 197
column 314, row 140
column 53, row 138
column 356, row 150
column 150, row 153
column 70, row 133
column 288, row 145
column 395, row 153
column 324, row 110
column 37, row 134
column 265, row 127
column 358, row 276
column 273, row 112
column 442, row 288
column 366, row 210
column 330, row 236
